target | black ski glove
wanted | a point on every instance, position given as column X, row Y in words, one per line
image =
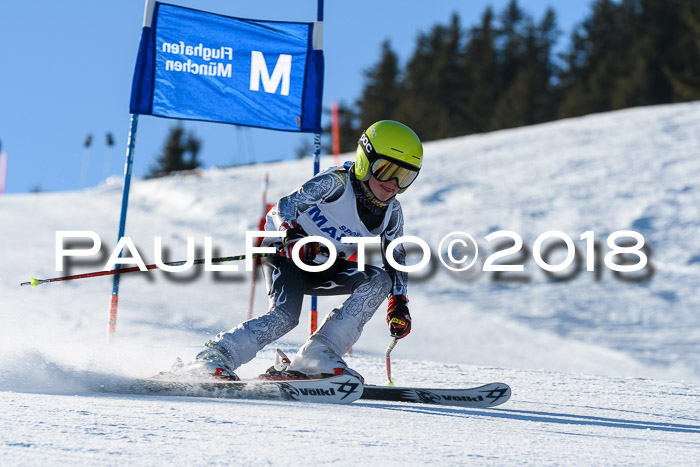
column 308, row 252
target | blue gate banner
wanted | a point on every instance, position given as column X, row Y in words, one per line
column 202, row 66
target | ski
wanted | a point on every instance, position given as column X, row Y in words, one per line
column 341, row 389
column 489, row 395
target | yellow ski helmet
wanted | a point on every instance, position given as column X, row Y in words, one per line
column 387, row 150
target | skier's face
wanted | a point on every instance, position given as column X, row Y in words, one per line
column 384, row 191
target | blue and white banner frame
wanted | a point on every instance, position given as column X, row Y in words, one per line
column 202, row 66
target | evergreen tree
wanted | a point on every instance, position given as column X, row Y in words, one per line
column 546, row 98
column 177, row 144
column 451, row 90
column 685, row 79
column 526, row 69
column 433, row 85
column 628, row 54
column 481, row 75
column 513, row 22
column 381, row 92
column 591, row 64
column 419, row 89
column 502, row 74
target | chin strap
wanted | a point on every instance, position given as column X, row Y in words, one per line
column 367, row 192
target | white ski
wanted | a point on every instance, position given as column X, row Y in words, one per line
column 489, row 395
column 341, row 389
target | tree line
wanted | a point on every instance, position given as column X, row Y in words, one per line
column 504, row 71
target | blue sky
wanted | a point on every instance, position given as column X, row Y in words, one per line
column 66, row 69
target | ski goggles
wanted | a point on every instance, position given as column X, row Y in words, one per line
column 386, row 169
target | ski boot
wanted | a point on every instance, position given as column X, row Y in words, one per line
column 213, row 362
column 313, row 361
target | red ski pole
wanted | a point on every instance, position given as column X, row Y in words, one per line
column 34, row 282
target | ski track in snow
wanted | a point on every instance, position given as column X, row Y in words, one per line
column 553, row 418
column 602, row 372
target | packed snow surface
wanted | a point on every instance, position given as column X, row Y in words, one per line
column 604, row 366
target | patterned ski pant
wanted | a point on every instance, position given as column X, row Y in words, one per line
column 287, row 285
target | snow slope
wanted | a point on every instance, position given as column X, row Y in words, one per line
column 553, row 419
column 603, row 369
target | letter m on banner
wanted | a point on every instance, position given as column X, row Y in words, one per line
column 203, row 66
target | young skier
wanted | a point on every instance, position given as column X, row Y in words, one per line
column 353, row 200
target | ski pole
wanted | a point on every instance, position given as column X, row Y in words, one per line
column 34, row 282
column 389, row 381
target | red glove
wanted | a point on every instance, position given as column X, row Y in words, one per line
column 307, row 253
column 398, row 318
